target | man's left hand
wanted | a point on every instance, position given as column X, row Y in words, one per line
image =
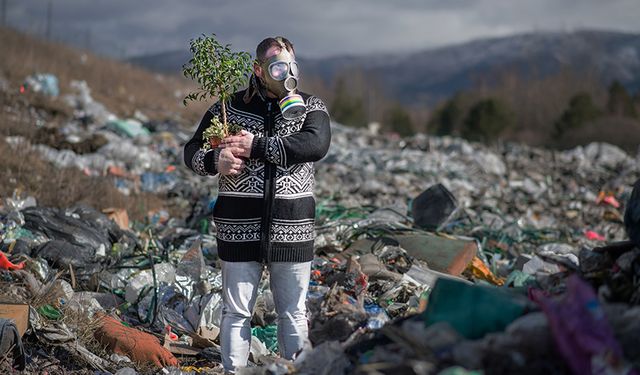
column 240, row 145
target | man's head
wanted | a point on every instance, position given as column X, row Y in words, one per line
column 276, row 67
column 278, row 71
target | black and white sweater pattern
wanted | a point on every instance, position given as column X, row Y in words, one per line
column 267, row 211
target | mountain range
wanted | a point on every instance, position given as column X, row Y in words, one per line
column 430, row 75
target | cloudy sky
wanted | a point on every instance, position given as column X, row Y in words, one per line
column 123, row 28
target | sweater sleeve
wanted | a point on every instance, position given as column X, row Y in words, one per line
column 201, row 161
column 309, row 144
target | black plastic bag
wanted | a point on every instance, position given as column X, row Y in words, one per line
column 433, row 207
column 10, row 340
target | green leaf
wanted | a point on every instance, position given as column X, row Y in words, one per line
column 216, row 68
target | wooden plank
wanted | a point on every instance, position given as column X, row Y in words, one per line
column 442, row 254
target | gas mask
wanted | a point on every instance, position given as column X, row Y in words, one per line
column 280, row 76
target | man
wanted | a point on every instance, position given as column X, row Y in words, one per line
column 265, row 210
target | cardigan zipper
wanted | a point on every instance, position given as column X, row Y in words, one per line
column 269, row 195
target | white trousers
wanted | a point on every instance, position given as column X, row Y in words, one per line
column 289, row 284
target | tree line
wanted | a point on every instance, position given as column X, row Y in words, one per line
column 560, row 110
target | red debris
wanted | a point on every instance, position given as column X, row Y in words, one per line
column 6, row 264
column 593, row 236
column 607, row 198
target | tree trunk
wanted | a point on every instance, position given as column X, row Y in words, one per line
column 224, row 119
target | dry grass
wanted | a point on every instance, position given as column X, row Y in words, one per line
column 25, row 172
column 84, row 327
column 620, row 131
column 19, row 113
column 121, row 87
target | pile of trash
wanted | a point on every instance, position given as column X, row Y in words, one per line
column 504, row 188
column 433, row 256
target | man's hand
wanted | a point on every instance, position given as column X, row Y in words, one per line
column 239, row 145
column 229, row 164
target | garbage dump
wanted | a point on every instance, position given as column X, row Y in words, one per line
column 44, row 83
column 433, row 256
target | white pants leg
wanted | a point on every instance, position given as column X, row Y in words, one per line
column 289, row 285
column 239, row 290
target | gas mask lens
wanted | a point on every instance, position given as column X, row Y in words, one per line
column 279, row 69
column 294, row 68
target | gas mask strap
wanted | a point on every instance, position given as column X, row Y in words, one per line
column 254, row 88
column 281, row 42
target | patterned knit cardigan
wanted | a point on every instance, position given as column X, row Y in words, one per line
column 266, row 212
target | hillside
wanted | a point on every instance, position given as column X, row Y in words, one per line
column 433, row 74
column 121, row 87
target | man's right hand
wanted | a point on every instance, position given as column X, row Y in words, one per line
column 229, row 165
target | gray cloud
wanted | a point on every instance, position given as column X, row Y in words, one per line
column 318, row 28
